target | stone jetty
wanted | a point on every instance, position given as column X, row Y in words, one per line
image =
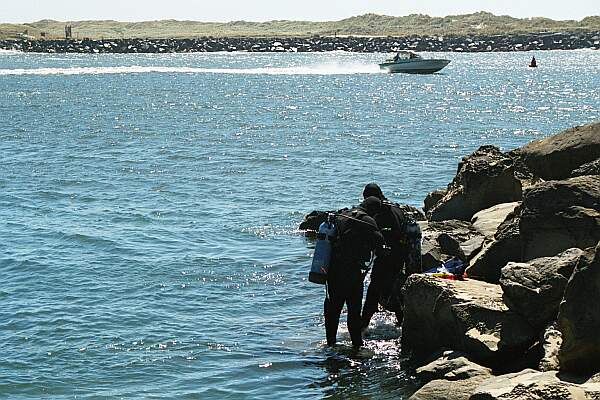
column 513, row 42
column 524, row 322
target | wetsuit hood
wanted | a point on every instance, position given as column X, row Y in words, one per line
column 371, row 205
column 373, row 189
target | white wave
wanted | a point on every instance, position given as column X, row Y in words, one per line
column 322, row 69
column 9, row 52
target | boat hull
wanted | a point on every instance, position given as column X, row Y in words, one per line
column 415, row 66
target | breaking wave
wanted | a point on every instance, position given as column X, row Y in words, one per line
column 322, row 69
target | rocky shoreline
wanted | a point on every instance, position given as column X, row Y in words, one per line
column 482, row 43
column 525, row 322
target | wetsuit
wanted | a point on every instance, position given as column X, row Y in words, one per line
column 358, row 235
column 391, row 270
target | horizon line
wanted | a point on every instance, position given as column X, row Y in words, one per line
column 292, row 20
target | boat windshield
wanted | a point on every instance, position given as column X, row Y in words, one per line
column 405, row 55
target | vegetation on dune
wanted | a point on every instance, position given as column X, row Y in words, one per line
column 482, row 23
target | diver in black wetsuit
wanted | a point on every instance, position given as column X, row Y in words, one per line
column 390, row 270
column 357, row 236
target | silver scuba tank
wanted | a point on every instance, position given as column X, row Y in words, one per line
column 322, row 255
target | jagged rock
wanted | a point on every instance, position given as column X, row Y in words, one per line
column 467, row 316
column 535, row 385
column 445, row 239
column 550, row 343
column 557, row 215
column 452, row 366
column 591, row 168
column 442, row 389
column 484, row 178
column 555, row 157
column 495, row 254
column 487, row 221
column 432, row 199
column 534, row 289
column 579, row 316
column 315, row 218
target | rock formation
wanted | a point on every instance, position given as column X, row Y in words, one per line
column 484, row 178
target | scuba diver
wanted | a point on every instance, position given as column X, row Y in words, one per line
column 390, row 271
column 357, row 236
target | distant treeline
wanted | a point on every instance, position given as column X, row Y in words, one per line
column 481, row 23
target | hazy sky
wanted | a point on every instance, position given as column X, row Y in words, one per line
column 266, row 10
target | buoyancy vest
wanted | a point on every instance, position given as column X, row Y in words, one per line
column 355, row 235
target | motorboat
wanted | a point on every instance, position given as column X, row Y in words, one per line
column 411, row 63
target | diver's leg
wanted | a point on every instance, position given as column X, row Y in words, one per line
column 354, row 303
column 332, row 309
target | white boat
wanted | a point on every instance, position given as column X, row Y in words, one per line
column 411, row 63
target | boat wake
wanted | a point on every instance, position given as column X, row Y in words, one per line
column 321, row 69
column 9, row 52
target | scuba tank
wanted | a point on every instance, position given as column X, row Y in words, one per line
column 413, row 239
column 322, row 255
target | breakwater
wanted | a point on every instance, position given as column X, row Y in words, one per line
column 482, row 43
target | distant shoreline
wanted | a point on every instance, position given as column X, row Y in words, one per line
column 362, row 44
column 368, row 25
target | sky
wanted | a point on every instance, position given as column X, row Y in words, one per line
column 267, row 10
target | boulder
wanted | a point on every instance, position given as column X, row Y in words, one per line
column 484, row 178
column 535, row 288
column 313, row 220
column 557, row 215
column 452, row 366
column 591, row 168
column 451, row 376
column 443, row 240
column 535, row 385
column 442, row 389
column 432, row 199
column 487, row 221
column 467, row 316
column 495, row 254
column 555, row 157
column 579, row 316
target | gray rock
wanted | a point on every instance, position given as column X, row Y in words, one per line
column 495, row 254
column 467, row 316
column 550, row 341
column 591, row 168
column 484, row 178
column 451, row 366
column 313, row 220
column 535, row 289
column 535, row 385
column 432, row 199
column 445, row 239
column 557, row 215
column 487, row 221
column 442, row 389
column 555, row 157
column 579, row 316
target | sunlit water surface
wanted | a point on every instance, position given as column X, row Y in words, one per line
column 149, row 207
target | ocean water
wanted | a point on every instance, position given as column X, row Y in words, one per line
column 149, row 207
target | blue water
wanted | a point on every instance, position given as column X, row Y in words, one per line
column 149, row 207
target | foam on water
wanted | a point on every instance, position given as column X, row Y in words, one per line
column 320, row 69
column 4, row 52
